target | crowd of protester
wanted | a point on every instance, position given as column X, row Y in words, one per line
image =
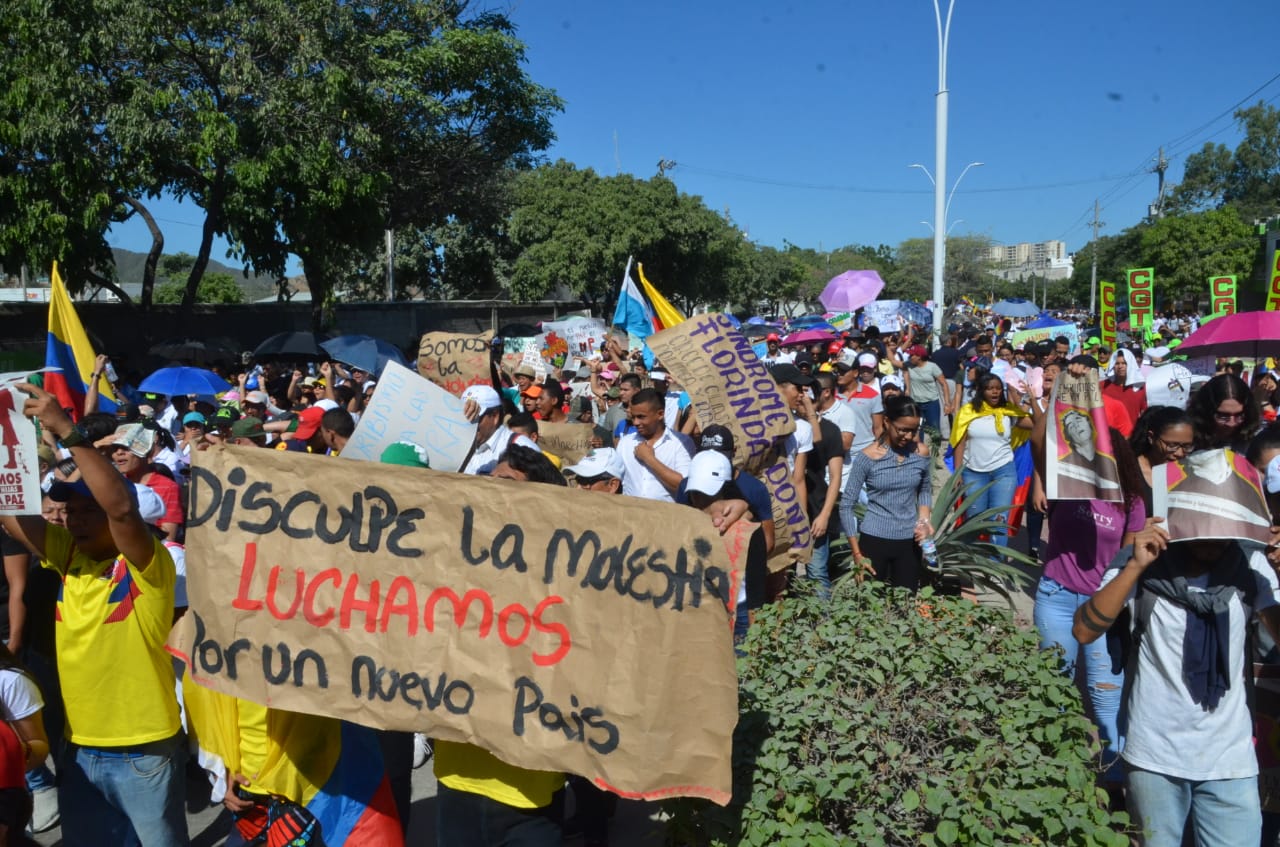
column 877, row 416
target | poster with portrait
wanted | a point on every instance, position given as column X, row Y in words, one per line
column 19, row 464
column 1079, row 461
column 1211, row 494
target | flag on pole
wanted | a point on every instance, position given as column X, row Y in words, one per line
column 666, row 315
column 68, row 349
column 633, row 312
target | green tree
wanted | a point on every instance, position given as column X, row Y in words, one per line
column 574, row 228
column 216, row 287
column 967, row 271
column 1185, row 250
column 767, row 278
column 303, row 127
column 1247, row 178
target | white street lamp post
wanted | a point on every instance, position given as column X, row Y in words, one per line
column 940, row 166
column 940, row 211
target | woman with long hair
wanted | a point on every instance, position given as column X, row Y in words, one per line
column 1162, row 434
column 899, row 484
column 1084, row 537
column 1225, row 414
column 986, row 432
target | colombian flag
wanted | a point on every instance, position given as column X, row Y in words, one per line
column 69, row 350
column 332, row 768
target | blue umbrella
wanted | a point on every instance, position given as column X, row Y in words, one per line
column 180, row 381
column 756, row 320
column 1015, row 307
column 1046, row 320
column 915, row 312
column 737, row 324
column 363, row 352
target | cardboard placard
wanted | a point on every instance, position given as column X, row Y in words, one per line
column 1023, row 337
column 1107, row 317
column 1211, row 494
column 1222, row 295
column 1141, row 297
column 19, row 462
column 728, row 384
column 559, row 629
column 1080, row 463
column 569, row 441
column 455, row 361
column 792, row 540
column 407, row 407
column 582, row 337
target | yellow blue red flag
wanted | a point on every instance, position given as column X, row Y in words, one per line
column 68, row 349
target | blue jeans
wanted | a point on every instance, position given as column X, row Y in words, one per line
column 1004, row 481
column 817, row 569
column 931, row 411
column 1226, row 811
column 1055, row 609
column 130, row 797
column 45, row 670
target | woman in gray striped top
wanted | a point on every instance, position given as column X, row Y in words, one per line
column 899, row 494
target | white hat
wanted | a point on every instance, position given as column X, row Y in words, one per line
column 525, row 441
column 326, row 404
column 708, row 472
column 1273, row 475
column 486, row 398
column 892, row 379
column 1157, row 353
column 150, row 506
column 602, row 461
column 867, row 360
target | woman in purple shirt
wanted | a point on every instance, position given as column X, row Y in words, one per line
column 1084, row 536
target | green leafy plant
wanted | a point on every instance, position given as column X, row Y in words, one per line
column 885, row 718
column 961, row 552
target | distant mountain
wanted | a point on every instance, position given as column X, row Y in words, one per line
column 129, row 267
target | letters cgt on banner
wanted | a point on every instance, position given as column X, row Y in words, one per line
column 556, row 628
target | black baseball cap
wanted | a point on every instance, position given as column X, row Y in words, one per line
column 786, row 372
column 717, row 437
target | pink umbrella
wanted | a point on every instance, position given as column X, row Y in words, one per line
column 851, row 290
column 808, row 336
column 1253, row 335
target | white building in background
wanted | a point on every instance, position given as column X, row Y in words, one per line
column 1044, row 259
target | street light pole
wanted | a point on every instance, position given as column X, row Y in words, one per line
column 940, row 166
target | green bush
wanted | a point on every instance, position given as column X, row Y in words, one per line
column 887, row 719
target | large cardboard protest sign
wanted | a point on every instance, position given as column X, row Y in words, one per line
column 582, row 337
column 1080, row 463
column 407, row 407
column 1211, row 494
column 1141, row 297
column 727, row 384
column 557, row 628
column 569, row 441
column 1222, row 295
column 455, row 361
column 792, row 538
column 1107, row 318
column 19, row 463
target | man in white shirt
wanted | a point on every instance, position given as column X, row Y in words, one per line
column 1189, row 742
column 656, row 457
column 483, row 405
column 775, row 354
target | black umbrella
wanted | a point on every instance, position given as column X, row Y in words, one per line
column 518, row 331
column 195, row 351
column 292, row 346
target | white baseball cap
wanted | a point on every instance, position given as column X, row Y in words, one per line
column 708, row 472
column 868, row 360
column 892, row 379
column 602, row 461
column 1273, row 476
column 327, row 404
column 486, row 398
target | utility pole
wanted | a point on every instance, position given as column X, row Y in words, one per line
column 1093, row 276
column 665, row 165
column 617, row 159
column 1162, row 165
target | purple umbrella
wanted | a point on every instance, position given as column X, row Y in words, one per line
column 851, row 290
column 808, row 336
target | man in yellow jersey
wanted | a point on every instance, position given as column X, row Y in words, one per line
column 482, row 800
column 121, row 776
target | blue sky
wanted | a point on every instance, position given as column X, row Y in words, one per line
column 801, row 118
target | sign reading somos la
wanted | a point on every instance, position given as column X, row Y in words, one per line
column 596, row 641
